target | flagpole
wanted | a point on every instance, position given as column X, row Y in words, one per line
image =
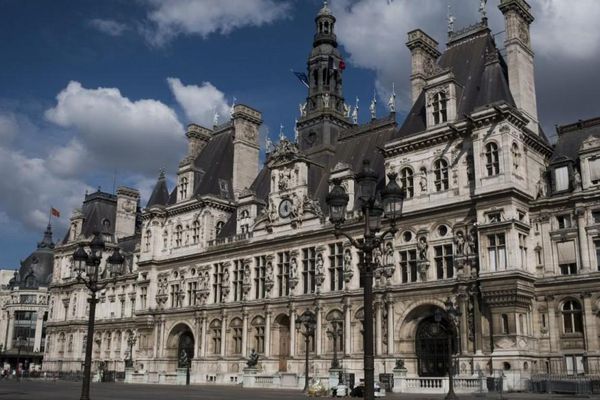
column 50, row 215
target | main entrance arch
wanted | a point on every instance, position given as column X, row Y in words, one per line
column 431, row 347
column 282, row 326
column 180, row 346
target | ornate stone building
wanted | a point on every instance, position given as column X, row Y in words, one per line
column 495, row 218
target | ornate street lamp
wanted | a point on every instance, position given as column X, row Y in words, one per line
column 308, row 321
column 130, row 342
column 335, row 331
column 87, row 268
column 373, row 205
column 20, row 343
column 453, row 314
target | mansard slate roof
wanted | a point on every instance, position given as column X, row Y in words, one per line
column 479, row 70
column 99, row 212
column 215, row 167
column 36, row 269
column 570, row 138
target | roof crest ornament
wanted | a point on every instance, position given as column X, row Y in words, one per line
column 392, row 101
column 231, row 110
column 451, row 19
column 355, row 113
column 281, row 134
column 483, row 10
column 373, row 106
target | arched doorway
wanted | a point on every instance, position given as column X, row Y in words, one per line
column 431, row 347
column 283, row 329
column 185, row 350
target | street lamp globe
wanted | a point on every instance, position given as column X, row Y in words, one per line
column 393, row 198
column 366, row 180
column 375, row 214
column 115, row 262
column 337, row 200
column 80, row 258
column 97, row 244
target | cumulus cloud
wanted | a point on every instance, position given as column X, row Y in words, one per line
column 138, row 136
column 200, row 102
column 170, row 18
column 373, row 32
column 9, row 127
column 108, row 26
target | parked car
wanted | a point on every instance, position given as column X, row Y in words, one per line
column 359, row 390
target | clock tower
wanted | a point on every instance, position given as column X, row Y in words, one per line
column 324, row 114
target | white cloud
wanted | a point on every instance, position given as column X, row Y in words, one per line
column 200, row 102
column 566, row 29
column 108, row 26
column 170, row 18
column 116, row 132
column 9, row 127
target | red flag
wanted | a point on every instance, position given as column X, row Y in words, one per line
column 54, row 212
column 342, row 65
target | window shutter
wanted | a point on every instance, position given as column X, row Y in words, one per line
column 566, row 252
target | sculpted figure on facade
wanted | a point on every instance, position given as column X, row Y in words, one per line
column 459, row 243
column 423, row 180
column 348, row 270
column 422, row 247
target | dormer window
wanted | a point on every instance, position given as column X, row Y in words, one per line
column 594, row 164
column 407, row 182
column 492, row 161
column 183, row 188
column 561, row 179
column 440, row 108
column 440, row 170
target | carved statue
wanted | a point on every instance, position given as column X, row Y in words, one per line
column 422, row 246
column 247, row 278
column 319, row 270
column 268, row 144
column 302, row 110
column 377, row 257
column 471, row 247
column 272, row 212
column 347, row 110
column 183, row 358
column 541, row 186
column 399, row 364
column 347, row 259
column 326, row 100
column 252, row 359
column 423, row 180
column 226, row 276
column 576, row 179
column 389, row 254
column 459, row 242
column 284, row 179
column 373, row 108
column 293, row 268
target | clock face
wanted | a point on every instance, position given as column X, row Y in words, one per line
column 285, row 208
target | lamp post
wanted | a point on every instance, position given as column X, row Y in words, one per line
column 130, row 342
column 308, row 321
column 370, row 202
column 335, row 331
column 20, row 343
column 453, row 314
column 87, row 267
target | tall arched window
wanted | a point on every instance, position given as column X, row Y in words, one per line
column 215, row 332
column 571, row 313
column 178, row 236
column 183, row 188
column 219, row 227
column 259, row 334
column 440, row 170
column 236, row 332
column 492, row 161
column 148, row 239
column 407, row 182
column 196, row 231
column 504, row 318
column 440, row 108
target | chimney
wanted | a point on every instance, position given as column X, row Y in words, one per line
column 424, row 52
column 246, row 122
column 127, row 205
column 519, row 58
column 198, row 136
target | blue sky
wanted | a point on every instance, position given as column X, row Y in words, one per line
column 90, row 88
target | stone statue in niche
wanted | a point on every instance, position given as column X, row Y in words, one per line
column 471, row 247
column 252, row 359
column 293, row 268
column 423, row 180
column 459, row 243
column 576, row 179
column 247, row 279
column 326, row 100
column 422, row 247
column 319, row 270
column 389, row 254
column 377, row 257
column 272, row 212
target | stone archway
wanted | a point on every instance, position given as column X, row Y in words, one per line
column 431, row 347
column 282, row 326
column 180, row 346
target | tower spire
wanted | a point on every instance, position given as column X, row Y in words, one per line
column 451, row 19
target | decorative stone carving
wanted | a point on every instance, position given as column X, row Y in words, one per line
column 247, row 278
column 294, row 274
column 269, row 275
column 348, row 269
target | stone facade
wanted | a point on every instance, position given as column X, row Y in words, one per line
column 224, row 265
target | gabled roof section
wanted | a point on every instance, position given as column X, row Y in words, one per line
column 570, row 138
column 99, row 213
column 478, row 68
column 160, row 193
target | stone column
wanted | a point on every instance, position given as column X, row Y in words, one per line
column 553, row 329
column 203, row 337
column 318, row 331
column 464, row 334
column 589, row 320
column 37, row 343
column 292, row 331
column 244, row 332
column 268, row 334
column 156, row 338
column 197, row 335
column 223, row 334
column 584, row 253
column 162, row 337
column 478, row 345
column 390, row 326
column 347, row 329
column 11, row 328
column 378, row 327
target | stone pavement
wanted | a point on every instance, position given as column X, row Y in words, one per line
column 62, row 390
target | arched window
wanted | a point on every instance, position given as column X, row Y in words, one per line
column 219, row 227
column 440, row 170
column 440, row 108
column 148, row 239
column 196, row 231
column 571, row 313
column 245, row 214
column 259, row 334
column 407, row 182
column 183, row 188
column 236, row 328
column 178, row 236
column 492, row 161
column 215, row 332
column 505, row 324
column 165, row 240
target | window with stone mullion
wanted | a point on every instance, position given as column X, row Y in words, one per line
column 308, row 269
column 444, row 261
column 408, row 266
column 283, row 273
column 238, row 276
column 336, row 267
column 259, row 276
column 218, row 280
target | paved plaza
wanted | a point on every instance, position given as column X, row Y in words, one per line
column 61, row 390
